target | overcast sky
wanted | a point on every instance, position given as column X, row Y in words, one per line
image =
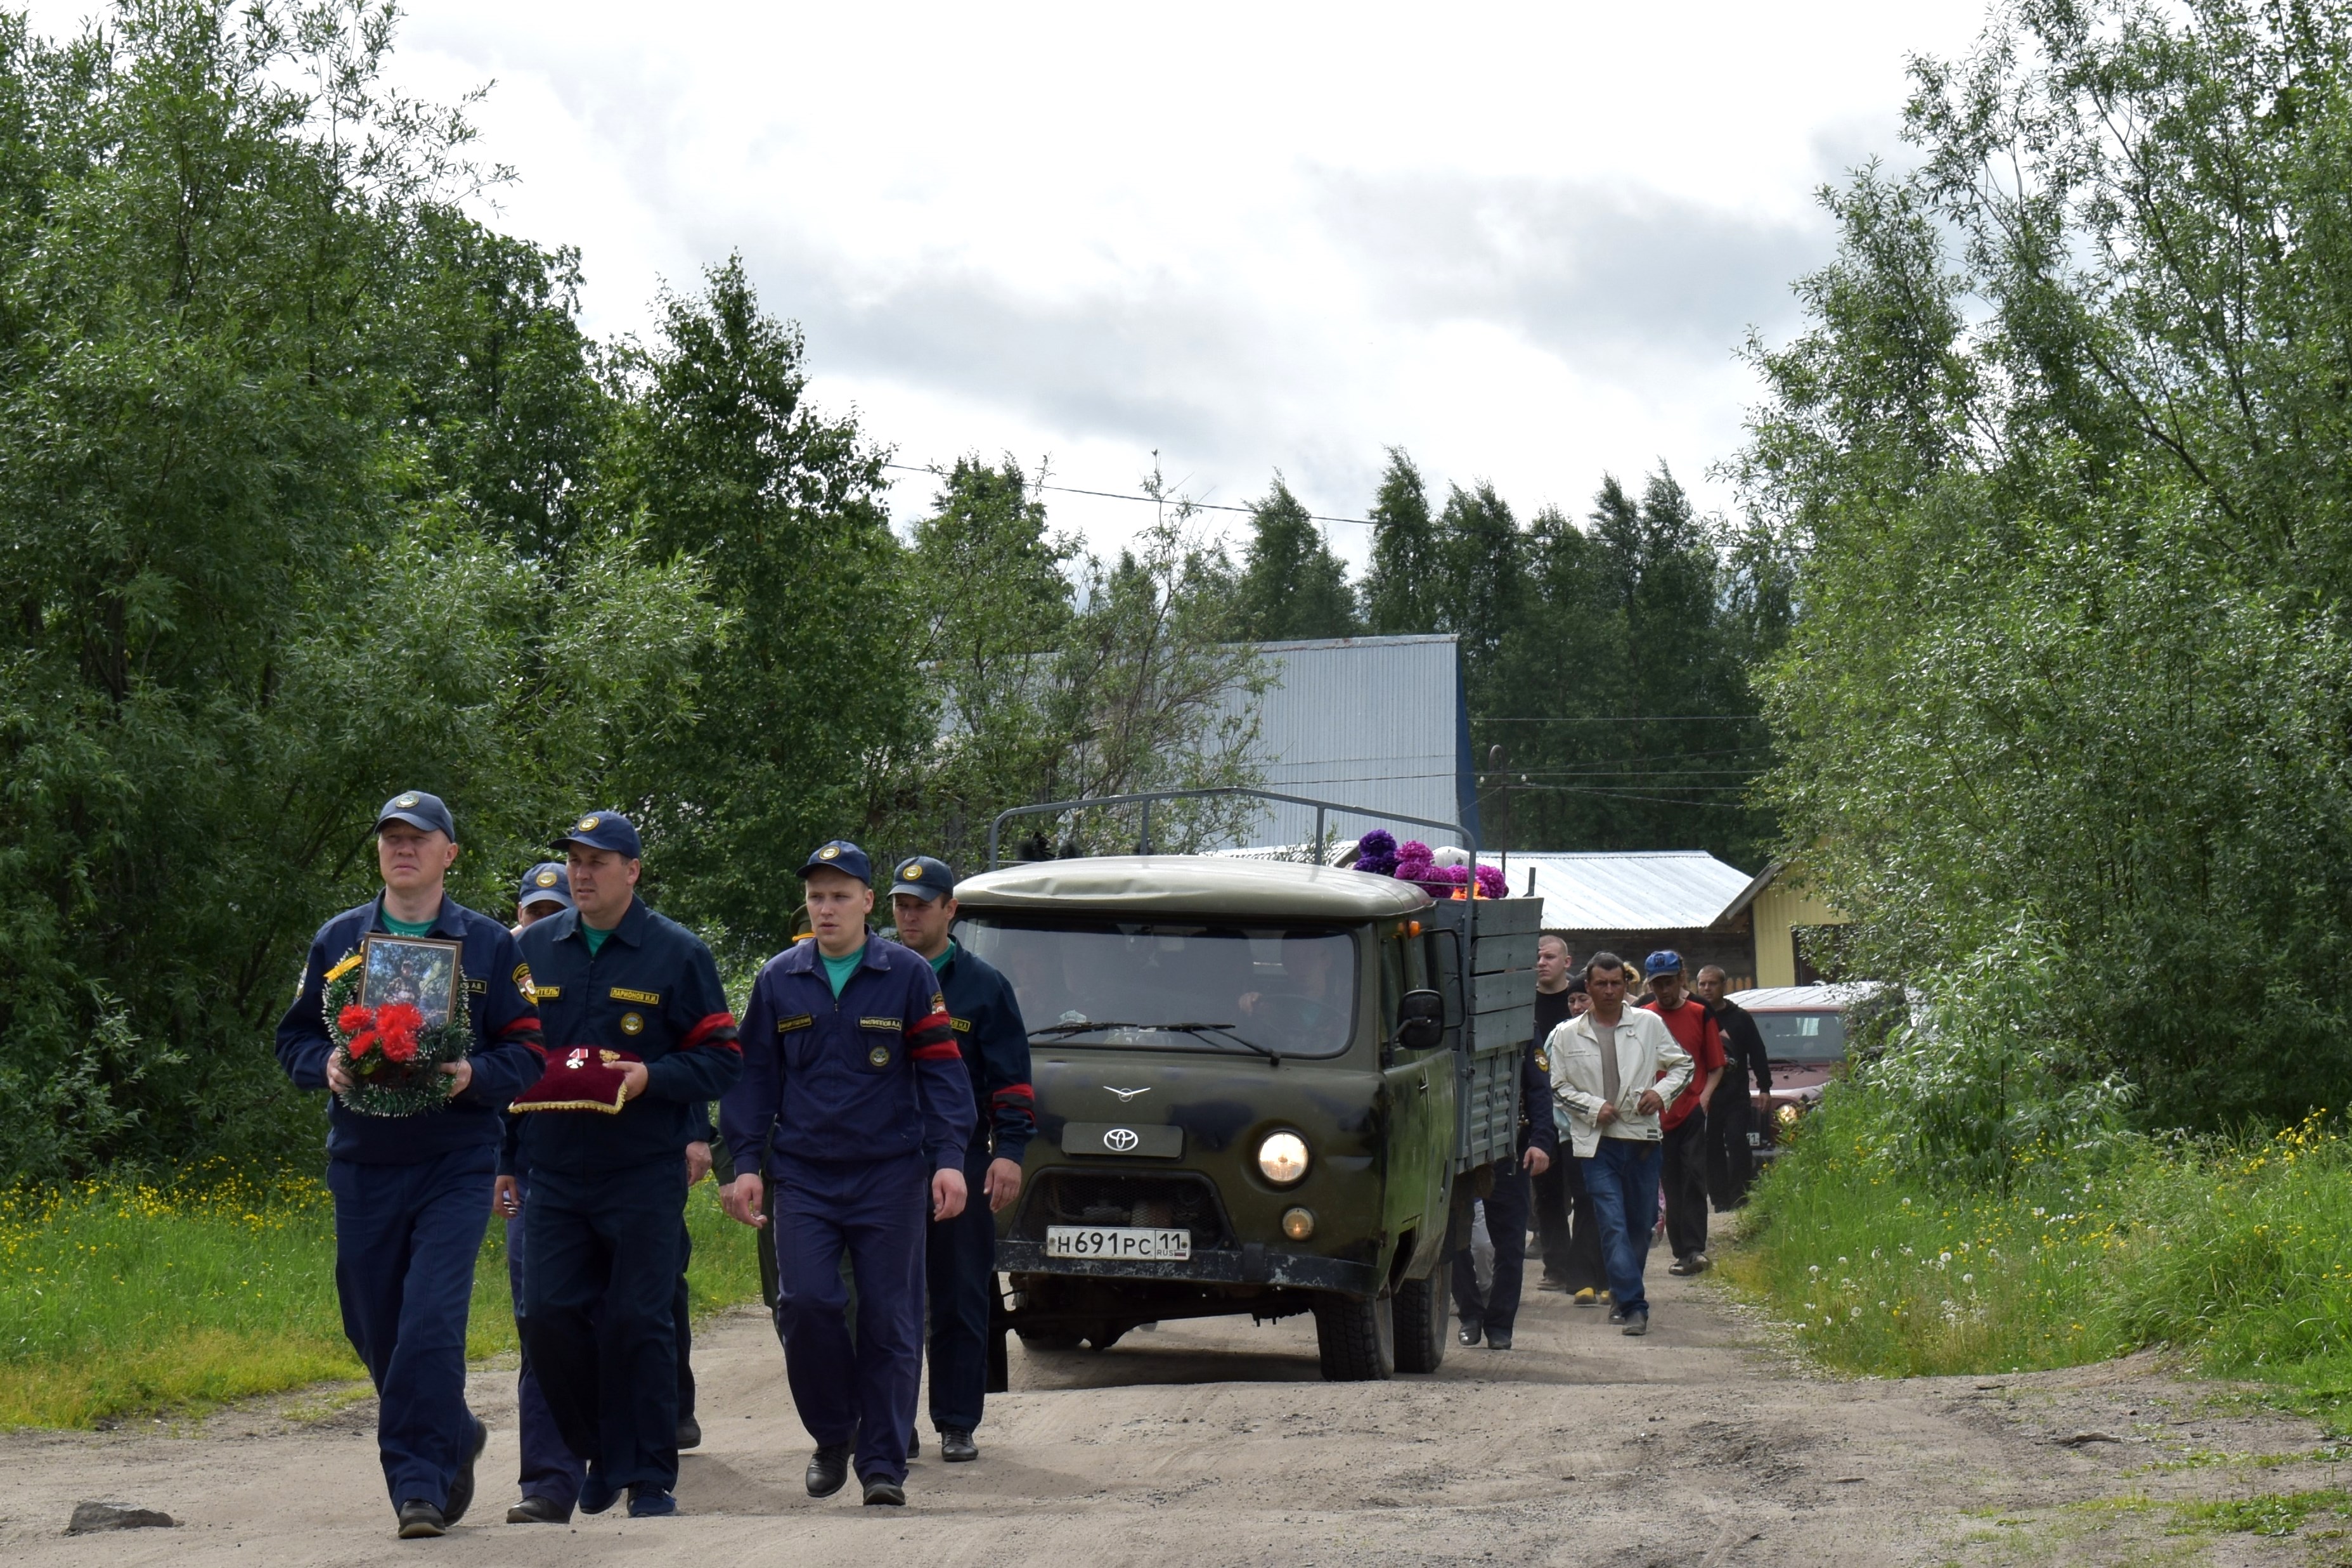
column 1521, row 241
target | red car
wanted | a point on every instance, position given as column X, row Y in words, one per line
column 1804, row 1034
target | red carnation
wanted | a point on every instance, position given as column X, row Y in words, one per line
column 353, row 1018
column 362, row 1043
column 398, row 1023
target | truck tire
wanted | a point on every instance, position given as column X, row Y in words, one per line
column 1420, row 1315
column 1357, row 1338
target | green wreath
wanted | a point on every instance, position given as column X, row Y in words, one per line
column 395, row 1072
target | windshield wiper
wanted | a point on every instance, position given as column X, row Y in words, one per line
column 1203, row 1030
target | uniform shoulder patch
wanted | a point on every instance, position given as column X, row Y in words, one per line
column 1543, row 1059
column 649, row 999
column 938, row 1001
column 798, row 1020
column 523, row 982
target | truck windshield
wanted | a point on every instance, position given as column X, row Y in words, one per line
column 1802, row 1037
column 1162, row 985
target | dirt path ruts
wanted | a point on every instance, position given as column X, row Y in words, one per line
column 1216, row 1443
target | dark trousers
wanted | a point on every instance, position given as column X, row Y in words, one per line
column 600, row 1280
column 405, row 1241
column 960, row 1264
column 875, row 1212
column 1573, row 1260
column 1730, row 1163
column 549, row 1468
column 1622, row 1178
column 1497, row 1307
column 1685, row 1180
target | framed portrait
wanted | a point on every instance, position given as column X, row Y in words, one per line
column 419, row 970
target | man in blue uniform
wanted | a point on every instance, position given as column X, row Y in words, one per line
column 960, row 1253
column 608, row 1188
column 856, row 1100
column 413, row 1193
column 1493, row 1313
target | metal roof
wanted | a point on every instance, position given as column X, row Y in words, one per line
column 1632, row 890
column 1786, row 999
column 1191, row 884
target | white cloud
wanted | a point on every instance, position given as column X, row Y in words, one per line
column 1521, row 241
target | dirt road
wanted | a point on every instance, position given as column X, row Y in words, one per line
column 1216, row 1443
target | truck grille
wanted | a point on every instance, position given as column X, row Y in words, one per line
column 1159, row 1202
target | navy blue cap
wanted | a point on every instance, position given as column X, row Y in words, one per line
column 418, row 810
column 841, row 855
column 546, row 883
column 1665, row 961
column 925, row 876
column 603, row 830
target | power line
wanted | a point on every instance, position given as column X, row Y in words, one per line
column 1155, row 500
column 1624, row 718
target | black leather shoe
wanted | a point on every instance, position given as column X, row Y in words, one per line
column 689, row 1432
column 461, row 1490
column 1615, row 1316
column 957, row 1448
column 537, row 1509
column 1636, row 1324
column 884, row 1493
column 1473, row 1331
column 915, row 1444
column 828, row 1469
column 420, row 1519
column 1498, row 1339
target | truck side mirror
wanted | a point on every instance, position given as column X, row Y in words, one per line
column 1420, row 1020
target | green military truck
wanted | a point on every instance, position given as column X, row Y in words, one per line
column 1263, row 1087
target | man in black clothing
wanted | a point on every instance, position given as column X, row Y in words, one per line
column 1731, row 1118
column 1572, row 1256
column 1489, row 1314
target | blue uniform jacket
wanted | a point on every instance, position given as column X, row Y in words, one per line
column 1538, row 1126
column 651, row 989
column 507, row 1053
column 870, row 1076
column 995, row 1045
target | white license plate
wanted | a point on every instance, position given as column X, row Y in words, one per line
column 1116, row 1241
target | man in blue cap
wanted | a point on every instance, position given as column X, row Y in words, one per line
column 633, row 997
column 960, row 1253
column 854, row 1098
column 546, row 889
column 413, row 1193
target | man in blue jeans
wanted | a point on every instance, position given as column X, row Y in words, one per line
column 1614, row 1071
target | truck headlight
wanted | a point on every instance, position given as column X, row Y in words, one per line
column 1786, row 1115
column 1282, row 1158
column 1298, row 1224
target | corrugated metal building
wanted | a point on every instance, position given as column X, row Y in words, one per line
column 1366, row 721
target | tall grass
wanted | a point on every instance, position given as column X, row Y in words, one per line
column 122, row 1298
column 2238, row 1254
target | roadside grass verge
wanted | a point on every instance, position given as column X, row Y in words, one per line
column 2238, row 1254
column 119, row 1299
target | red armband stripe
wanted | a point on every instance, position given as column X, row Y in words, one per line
column 1012, row 1091
column 710, row 1026
column 937, row 1051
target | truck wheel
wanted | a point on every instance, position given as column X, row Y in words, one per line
column 1420, row 1313
column 1357, row 1338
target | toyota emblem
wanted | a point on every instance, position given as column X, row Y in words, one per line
column 1120, row 1140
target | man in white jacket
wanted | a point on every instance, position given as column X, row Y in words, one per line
column 1613, row 1071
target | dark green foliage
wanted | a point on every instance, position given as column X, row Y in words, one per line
column 2062, row 449
column 723, row 458
column 1291, row 586
column 1402, row 589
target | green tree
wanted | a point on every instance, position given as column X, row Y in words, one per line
column 1403, row 590
column 1291, row 586
column 2060, row 449
column 247, row 605
column 722, row 454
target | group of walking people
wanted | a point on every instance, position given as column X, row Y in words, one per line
column 850, row 1115
column 1652, row 1097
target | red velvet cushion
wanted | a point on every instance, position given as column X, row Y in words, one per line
column 579, row 1078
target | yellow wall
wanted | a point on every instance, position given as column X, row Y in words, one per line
column 1779, row 910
